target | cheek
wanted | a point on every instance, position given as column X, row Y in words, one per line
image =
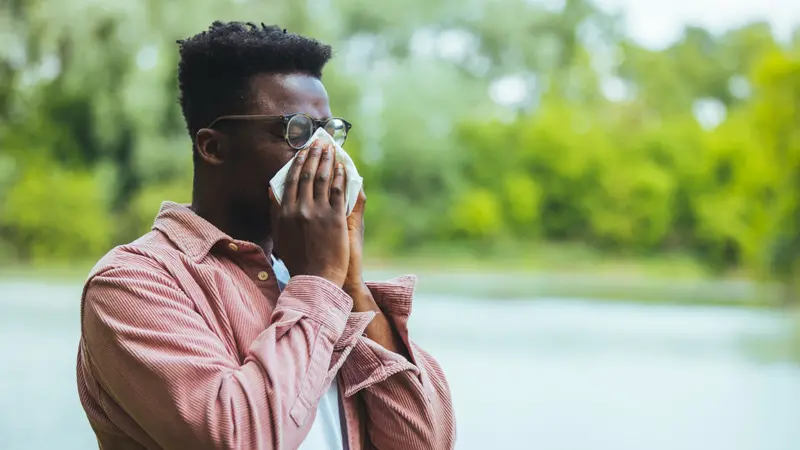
column 276, row 158
column 262, row 160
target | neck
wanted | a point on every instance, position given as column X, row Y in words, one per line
column 223, row 214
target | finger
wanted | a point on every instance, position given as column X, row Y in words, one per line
column 305, row 186
column 360, row 202
column 322, row 181
column 356, row 218
column 337, row 200
column 292, row 178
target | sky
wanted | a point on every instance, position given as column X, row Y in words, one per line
column 657, row 23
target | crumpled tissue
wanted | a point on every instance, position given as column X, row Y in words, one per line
column 354, row 180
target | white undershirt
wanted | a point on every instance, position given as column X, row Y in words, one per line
column 326, row 431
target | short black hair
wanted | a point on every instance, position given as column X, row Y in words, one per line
column 216, row 66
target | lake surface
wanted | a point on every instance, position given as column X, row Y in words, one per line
column 544, row 374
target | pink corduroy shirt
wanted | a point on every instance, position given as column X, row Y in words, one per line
column 187, row 343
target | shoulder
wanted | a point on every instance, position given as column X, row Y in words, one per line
column 151, row 252
column 144, row 268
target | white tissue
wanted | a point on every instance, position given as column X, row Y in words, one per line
column 354, row 180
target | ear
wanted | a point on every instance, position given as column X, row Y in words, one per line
column 212, row 146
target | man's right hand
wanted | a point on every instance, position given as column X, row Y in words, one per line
column 310, row 227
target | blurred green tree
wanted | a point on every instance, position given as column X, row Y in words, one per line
column 475, row 122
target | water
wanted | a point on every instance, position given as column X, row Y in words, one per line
column 544, row 374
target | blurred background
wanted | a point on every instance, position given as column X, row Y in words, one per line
column 601, row 199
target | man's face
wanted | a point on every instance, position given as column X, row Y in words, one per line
column 258, row 149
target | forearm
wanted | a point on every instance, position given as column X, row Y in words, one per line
column 169, row 368
column 407, row 397
column 408, row 406
column 412, row 411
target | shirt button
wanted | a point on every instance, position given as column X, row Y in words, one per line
column 233, row 246
column 263, row 276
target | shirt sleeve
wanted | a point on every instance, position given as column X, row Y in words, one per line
column 156, row 357
column 408, row 402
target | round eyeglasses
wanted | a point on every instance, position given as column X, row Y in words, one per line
column 299, row 127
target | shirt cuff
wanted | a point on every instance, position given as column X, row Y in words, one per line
column 354, row 328
column 394, row 296
column 369, row 363
column 318, row 299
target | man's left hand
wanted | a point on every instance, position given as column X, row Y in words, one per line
column 379, row 330
column 354, row 282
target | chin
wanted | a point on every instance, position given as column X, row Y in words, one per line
column 253, row 217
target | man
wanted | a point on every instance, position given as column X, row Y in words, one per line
column 194, row 337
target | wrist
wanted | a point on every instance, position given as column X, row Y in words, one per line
column 332, row 276
column 355, row 287
column 362, row 297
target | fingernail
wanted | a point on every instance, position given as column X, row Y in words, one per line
column 340, row 168
column 301, row 155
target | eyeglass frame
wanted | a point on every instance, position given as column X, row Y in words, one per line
column 285, row 118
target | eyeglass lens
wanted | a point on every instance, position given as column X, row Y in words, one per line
column 301, row 127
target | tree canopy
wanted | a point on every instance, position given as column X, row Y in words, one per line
column 475, row 122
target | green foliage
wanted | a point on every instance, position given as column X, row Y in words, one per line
column 51, row 215
column 91, row 138
column 521, row 197
column 476, row 214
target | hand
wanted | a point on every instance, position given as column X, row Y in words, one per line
column 309, row 226
column 379, row 330
column 355, row 235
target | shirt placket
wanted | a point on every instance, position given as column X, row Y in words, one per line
column 257, row 266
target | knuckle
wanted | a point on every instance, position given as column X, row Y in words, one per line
column 305, row 176
column 337, row 190
column 322, row 177
column 306, row 212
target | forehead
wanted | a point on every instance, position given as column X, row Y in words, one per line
column 277, row 94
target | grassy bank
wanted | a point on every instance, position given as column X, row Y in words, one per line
column 527, row 271
column 545, row 270
column 516, row 257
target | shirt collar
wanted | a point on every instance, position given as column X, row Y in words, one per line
column 192, row 234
